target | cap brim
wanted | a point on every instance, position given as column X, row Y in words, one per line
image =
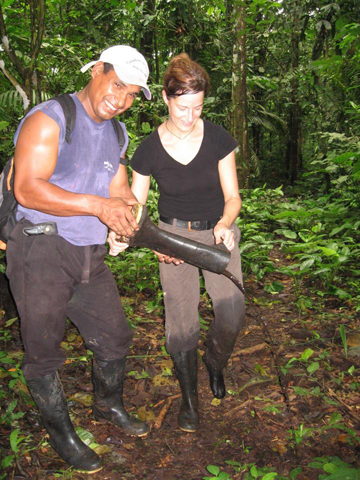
column 88, row 65
column 146, row 92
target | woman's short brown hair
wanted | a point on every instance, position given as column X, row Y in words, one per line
column 183, row 76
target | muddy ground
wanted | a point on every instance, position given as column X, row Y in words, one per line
column 258, row 422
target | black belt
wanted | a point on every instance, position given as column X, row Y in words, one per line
column 191, row 224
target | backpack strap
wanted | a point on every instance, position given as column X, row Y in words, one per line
column 10, row 175
column 68, row 105
column 69, row 108
column 119, row 132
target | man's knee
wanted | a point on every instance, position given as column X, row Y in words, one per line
column 109, row 346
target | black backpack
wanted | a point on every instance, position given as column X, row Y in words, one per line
column 8, row 203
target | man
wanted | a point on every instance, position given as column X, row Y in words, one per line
column 76, row 192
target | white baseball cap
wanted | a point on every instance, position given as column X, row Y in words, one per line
column 129, row 65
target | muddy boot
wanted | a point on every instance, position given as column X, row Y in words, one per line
column 185, row 364
column 217, row 383
column 108, row 378
column 49, row 397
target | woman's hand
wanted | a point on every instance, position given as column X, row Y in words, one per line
column 165, row 258
column 222, row 233
column 116, row 247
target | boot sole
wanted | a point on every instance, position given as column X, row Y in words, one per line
column 89, row 472
column 187, row 430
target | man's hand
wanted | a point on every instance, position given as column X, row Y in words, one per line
column 116, row 247
column 165, row 258
column 223, row 234
column 116, row 213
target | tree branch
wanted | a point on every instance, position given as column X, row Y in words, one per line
column 37, row 29
column 41, row 27
column 15, row 83
column 16, row 62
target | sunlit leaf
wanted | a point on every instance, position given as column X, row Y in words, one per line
column 329, row 252
column 306, row 354
column 213, row 469
column 336, row 417
column 163, row 381
column 102, row 449
column 83, row 398
column 216, row 402
column 10, row 322
column 269, row 476
column 313, row 367
column 146, row 415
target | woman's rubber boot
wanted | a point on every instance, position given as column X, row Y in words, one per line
column 108, row 378
column 217, row 383
column 49, row 397
column 185, row 364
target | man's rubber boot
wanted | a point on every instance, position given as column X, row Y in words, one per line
column 217, row 383
column 108, row 378
column 185, row 364
column 49, row 397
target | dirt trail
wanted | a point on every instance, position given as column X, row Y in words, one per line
column 270, row 395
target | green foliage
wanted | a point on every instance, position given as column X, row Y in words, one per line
column 314, row 224
column 18, row 445
column 335, row 469
column 324, row 83
column 216, row 473
column 15, row 371
column 136, row 270
column 257, row 240
column 15, row 441
column 10, row 417
column 139, row 376
column 249, row 471
column 319, row 232
column 304, row 358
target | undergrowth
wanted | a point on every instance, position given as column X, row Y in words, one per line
column 311, row 240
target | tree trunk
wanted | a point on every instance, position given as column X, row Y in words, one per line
column 147, row 49
column 239, row 96
column 28, row 87
column 294, row 144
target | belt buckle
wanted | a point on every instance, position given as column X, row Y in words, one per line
column 189, row 226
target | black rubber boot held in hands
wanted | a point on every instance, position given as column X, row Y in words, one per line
column 49, row 397
column 108, row 378
column 216, row 377
column 185, row 364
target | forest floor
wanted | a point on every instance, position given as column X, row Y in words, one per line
column 292, row 396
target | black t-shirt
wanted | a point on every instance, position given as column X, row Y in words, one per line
column 187, row 192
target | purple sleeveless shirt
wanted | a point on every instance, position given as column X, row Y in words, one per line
column 85, row 166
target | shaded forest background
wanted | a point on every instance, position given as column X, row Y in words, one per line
column 286, row 83
column 285, row 75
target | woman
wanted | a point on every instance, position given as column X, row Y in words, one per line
column 193, row 162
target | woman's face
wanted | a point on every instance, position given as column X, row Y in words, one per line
column 185, row 110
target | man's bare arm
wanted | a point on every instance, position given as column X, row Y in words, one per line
column 35, row 160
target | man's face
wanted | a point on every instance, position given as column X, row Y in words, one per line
column 108, row 96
